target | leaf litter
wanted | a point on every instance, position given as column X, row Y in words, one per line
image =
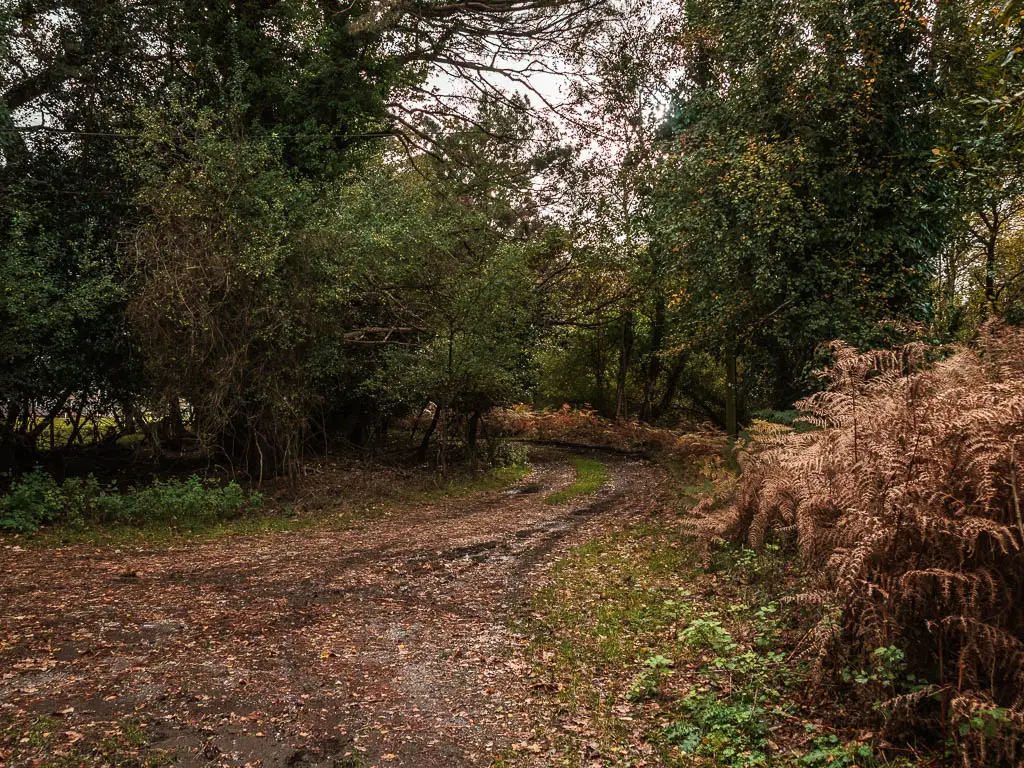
column 389, row 643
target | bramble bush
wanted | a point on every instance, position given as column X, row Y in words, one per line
column 179, row 502
column 36, row 499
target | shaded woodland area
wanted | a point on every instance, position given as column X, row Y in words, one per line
column 253, row 231
column 773, row 247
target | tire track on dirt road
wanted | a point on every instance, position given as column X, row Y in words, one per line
column 388, row 644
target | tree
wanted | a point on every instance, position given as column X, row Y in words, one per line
column 616, row 330
column 62, row 196
column 229, row 264
column 797, row 193
column 310, row 88
column 979, row 155
column 477, row 291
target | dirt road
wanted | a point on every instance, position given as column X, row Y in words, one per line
column 388, row 644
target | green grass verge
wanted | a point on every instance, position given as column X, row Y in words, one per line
column 495, row 480
column 275, row 518
column 590, row 475
column 655, row 661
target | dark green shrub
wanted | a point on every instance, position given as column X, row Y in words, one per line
column 178, row 502
column 830, row 752
column 732, row 733
column 36, row 500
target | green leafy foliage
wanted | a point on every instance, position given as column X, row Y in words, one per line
column 733, row 734
column 886, row 667
column 797, row 202
column 225, row 303
column 708, row 632
column 986, row 722
column 186, row 503
column 649, row 682
column 215, row 219
column 95, row 75
column 36, row 499
column 829, row 750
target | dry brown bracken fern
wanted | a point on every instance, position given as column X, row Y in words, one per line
column 907, row 505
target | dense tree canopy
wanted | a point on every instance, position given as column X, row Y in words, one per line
column 255, row 228
column 184, row 186
column 800, row 194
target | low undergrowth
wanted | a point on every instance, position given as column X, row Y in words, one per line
column 590, row 476
column 41, row 512
column 906, row 504
column 36, row 499
column 648, row 659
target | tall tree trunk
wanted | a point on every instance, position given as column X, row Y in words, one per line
column 13, row 412
column 474, row 427
column 416, row 421
column 76, row 424
column 421, row 454
column 731, row 390
column 990, row 275
column 668, row 395
column 653, row 370
column 598, row 362
column 625, row 355
column 175, row 423
column 129, row 421
column 989, row 239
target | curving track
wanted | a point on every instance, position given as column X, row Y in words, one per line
column 384, row 645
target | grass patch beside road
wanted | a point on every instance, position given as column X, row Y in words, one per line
column 590, row 475
column 646, row 658
column 335, row 500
